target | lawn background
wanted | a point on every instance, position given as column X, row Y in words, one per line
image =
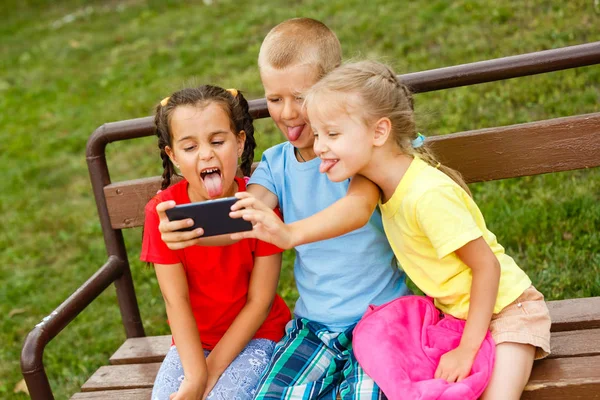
column 67, row 67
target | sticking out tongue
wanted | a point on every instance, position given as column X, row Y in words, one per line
column 213, row 184
column 326, row 165
column 294, row 133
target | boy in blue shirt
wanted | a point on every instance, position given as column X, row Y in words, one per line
column 338, row 278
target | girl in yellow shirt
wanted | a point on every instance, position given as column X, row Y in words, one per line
column 363, row 121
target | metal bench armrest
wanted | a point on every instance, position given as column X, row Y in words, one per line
column 32, row 363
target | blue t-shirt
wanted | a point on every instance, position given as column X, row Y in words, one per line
column 337, row 278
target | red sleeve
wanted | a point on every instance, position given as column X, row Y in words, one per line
column 267, row 249
column 154, row 250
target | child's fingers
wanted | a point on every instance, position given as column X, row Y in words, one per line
column 244, row 235
column 244, row 200
column 438, row 373
column 442, row 373
column 162, row 207
column 243, row 195
column 249, row 202
column 166, row 226
column 254, row 216
column 243, row 203
column 236, row 214
column 179, row 240
column 452, row 377
column 181, row 236
column 172, row 226
column 185, row 235
column 259, row 205
column 247, row 214
column 182, row 244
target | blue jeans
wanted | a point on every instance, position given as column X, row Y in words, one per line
column 238, row 382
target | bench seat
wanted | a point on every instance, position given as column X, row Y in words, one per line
column 573, row 367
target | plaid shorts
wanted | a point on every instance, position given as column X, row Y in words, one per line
column 311, row 362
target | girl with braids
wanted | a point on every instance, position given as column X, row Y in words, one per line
column 363, row 122
column 223, row 311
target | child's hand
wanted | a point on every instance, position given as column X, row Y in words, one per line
column 210, row 384
column 189, row 390
column 176, row 240
column 267, row 226
column 455, row 365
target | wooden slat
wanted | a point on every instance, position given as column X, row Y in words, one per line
column 564, row 378
column 554, row 145
column 575, row 343
column 128, row 394
column 142, row 350
column 575, row 314
column 126, row 200
column 116, row 377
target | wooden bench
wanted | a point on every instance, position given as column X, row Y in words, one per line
column 571, row 372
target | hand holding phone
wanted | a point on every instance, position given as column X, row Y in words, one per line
column 210, row 215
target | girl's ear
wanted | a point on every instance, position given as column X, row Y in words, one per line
column 382, row 130
column 241, row 141
column 171, row 155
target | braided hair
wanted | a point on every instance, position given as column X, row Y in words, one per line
column 382, row 95
column 234, row 104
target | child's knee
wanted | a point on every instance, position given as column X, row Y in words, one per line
column 512, row 369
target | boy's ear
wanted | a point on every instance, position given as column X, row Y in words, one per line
column 241, row 140
column 382, row 130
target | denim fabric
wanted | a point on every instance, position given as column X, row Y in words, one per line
column 238, row 382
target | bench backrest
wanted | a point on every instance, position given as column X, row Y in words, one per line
column 553, row 145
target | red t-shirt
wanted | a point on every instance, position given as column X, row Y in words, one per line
column 218, row 276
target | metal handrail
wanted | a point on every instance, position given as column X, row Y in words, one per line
column 32, row 354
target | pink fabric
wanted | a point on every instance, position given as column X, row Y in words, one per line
column 399, row 345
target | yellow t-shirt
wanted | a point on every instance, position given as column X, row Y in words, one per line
column 428, row 217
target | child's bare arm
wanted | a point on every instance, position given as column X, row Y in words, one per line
column 349, row 213
column 173, row 285
column 477, row 254
column 263, row 285
column 345, row 215
column 264, row 195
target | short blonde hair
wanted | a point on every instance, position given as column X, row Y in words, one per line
column 301, row 41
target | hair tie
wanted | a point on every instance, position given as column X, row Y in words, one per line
column 164, row 101
column 438, row 165
column 418, row 141
column 233, row 92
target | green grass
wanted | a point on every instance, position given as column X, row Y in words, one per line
column 67, row 67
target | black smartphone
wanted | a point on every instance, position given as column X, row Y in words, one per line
column 210, row 215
